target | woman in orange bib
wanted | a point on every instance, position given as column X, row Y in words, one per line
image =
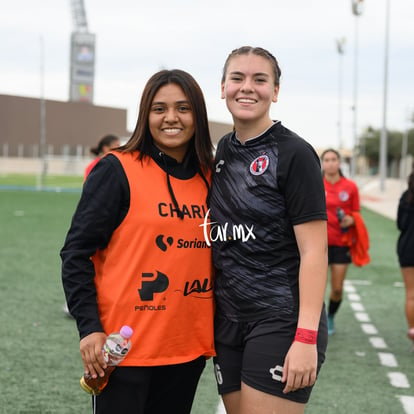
column 135, row 254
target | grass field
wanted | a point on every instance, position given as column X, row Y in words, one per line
column 41, row 363
column 51, row 182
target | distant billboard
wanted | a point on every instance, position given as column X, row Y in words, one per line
column 357, row 7
column 82, row 67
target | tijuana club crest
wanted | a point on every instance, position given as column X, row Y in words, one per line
column 259, row 165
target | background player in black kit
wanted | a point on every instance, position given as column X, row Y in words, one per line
column 405, row 249
column 268, row 227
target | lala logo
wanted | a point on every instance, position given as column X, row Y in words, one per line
column 259, row 165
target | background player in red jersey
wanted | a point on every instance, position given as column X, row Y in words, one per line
column 105, row 144
column 342, row 199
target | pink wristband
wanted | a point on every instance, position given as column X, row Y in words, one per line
column 306, row 336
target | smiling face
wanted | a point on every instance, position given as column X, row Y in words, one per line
column 249, row 90
column 171, row 121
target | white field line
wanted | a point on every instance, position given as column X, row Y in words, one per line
column 387, row 359
column 378, row 342
column 369, row 328
column 349, row 288
column 220, row 408
column 358, row 282
column 398, row 379
column 362, row 317
column 357, row 306
column 354, row 297
column 408, row 403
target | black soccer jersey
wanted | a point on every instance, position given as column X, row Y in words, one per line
column 260, row 190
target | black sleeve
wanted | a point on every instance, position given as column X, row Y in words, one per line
column 401, row 214
column 102, row 207
column 302, row 182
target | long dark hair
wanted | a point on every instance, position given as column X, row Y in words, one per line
column 105, row 141
column 410, row 190
column 200, row 145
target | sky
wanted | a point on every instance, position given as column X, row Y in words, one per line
column 136, row 38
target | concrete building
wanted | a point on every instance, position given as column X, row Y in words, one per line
column 71, row 128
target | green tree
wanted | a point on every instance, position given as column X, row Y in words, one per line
column 369, row 145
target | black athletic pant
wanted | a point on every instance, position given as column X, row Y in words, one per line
column 150, row 390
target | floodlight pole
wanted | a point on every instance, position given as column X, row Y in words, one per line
column 357, row 11
column 340, row 43
column 42, row 143
column 383, row 137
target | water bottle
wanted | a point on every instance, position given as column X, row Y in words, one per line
column 114, row 350
column 341, row 214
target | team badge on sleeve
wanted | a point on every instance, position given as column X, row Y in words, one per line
column 259, row 165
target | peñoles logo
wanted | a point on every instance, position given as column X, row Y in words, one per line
column 151, row 285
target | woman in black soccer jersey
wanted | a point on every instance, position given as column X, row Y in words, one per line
column 269, row 238
column 405, row 249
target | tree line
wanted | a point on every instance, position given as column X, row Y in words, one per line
column 369, row 146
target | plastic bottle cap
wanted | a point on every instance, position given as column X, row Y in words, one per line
column 126, row 331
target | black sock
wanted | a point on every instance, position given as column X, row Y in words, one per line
column 333, row 307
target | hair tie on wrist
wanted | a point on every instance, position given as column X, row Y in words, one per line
column 306, row 336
